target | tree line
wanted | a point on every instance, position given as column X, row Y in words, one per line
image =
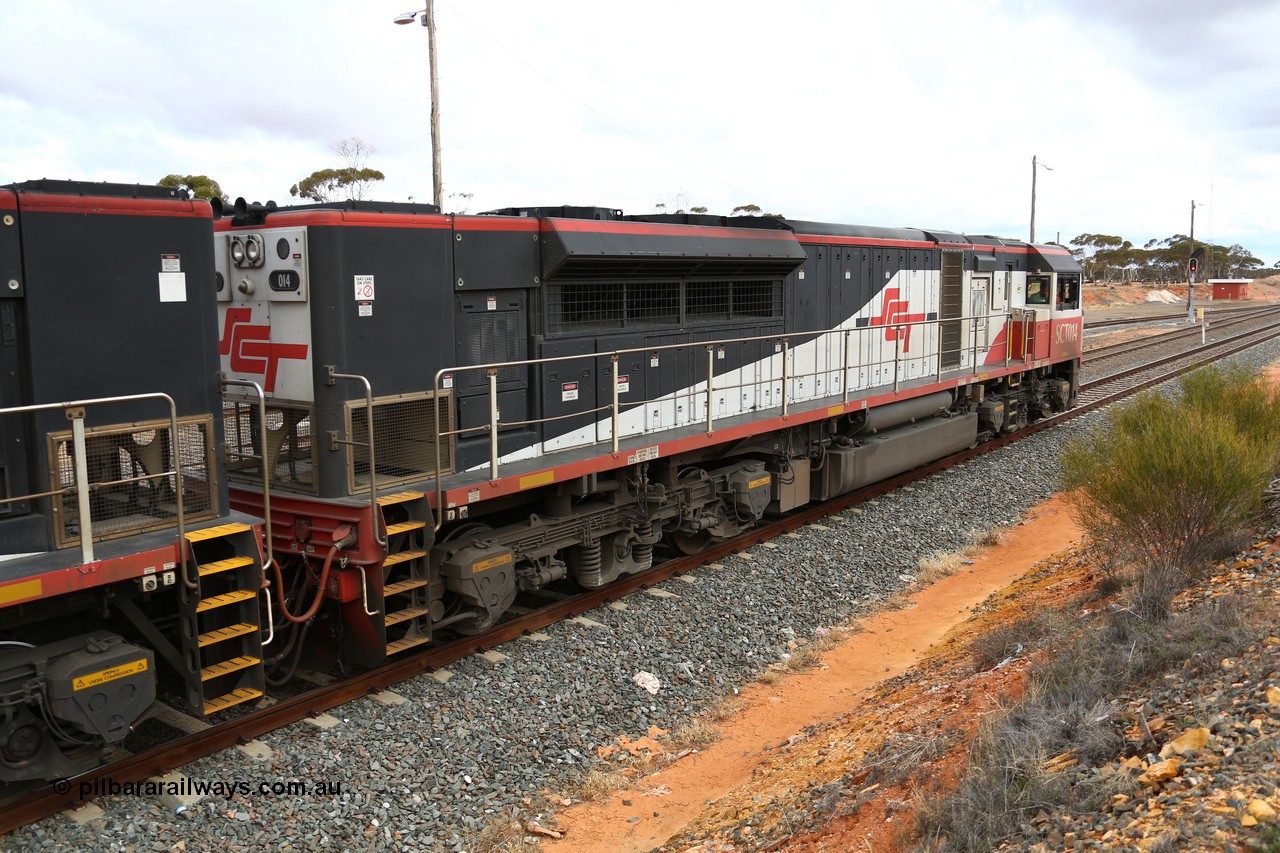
column 1105, row 257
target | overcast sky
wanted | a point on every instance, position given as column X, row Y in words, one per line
column 900, row 113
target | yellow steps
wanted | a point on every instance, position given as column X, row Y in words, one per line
column 208, row 638
column 398, row 616
column 217, row 532
column 402, row 557
column 404, row 527
column 227, row 667
column 224, row 565
column 226, row 598
column 406, row 643
column 235, row 697
column 403, row 586
column 399, row 498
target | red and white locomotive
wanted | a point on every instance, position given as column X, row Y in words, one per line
column 433, row 413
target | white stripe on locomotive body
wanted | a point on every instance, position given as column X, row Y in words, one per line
column 815, row 370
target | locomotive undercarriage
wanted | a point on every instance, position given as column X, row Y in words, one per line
column 602, row 526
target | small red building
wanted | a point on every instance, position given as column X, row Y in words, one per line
column 1230, row 288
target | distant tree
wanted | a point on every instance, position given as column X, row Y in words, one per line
column 200, row 186
column 463, row 198
column 752, row 210
column 681, row 206
column 350, row 181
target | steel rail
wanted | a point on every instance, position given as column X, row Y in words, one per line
column 1157, row 318
column 1097, row 353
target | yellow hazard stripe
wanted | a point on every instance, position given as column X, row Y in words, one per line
column 102, row 676
column 21, row 591
column 492, row 562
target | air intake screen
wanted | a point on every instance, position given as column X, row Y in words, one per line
column 405, row 430
column 132, row 480
column 289, row 451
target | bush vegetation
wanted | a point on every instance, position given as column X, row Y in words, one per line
column 1170, row 482
column 1164, row 485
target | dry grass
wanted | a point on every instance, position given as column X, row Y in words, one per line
column 1068, row 708
column 727, row 708
column 601, row 783
column 1012, row 639
column 698, row 733
column 503, row 836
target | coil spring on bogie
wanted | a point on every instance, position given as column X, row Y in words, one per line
column 588, row 565
column 643, row 552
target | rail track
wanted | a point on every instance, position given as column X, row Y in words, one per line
column 1157, row 318
column 1233, row 320
column 45, row 800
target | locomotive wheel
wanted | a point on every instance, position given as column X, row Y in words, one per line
column 489, row 616
column 690, row 543
column 486, row 620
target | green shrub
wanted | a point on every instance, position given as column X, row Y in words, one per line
column 1172, row 482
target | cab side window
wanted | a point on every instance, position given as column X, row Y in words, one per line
column 1068, row 292
column 1038, row 290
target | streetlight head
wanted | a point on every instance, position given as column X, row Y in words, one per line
column 406, row 18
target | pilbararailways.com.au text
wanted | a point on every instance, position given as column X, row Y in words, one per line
column 187, row 787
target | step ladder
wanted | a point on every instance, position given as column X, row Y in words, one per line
column 221, row 636
column 406, row 592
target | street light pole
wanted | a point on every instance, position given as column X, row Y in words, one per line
column 1034, row 169
column 1191, row 276
column 429, row 21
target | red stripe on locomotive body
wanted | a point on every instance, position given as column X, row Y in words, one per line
column 833, row 240
column 55, row 582
column 660, row 229
column 361, row 218
column 497, row 223
column 115, row 206
column 8, row 200
column 836, row 240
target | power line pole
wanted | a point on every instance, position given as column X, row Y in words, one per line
column 1034, row 169
column 429, row 21
column 437, row 184
column 1033, row 199
column 1191, row 267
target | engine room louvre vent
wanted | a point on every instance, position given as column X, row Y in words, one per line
column 577, row 306
column 493, row 337
column 404, row 430
column 290, row 452
column 132, row 478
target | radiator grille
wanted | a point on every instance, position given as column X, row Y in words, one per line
column 290, row 451
column 404, row 429
column 131, row 480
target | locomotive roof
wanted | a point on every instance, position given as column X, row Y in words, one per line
column 95, row 188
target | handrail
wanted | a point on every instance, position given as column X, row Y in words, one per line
column 787, row 347
column 332, row 379
column 75, row 412
column 266, row 475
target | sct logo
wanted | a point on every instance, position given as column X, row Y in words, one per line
column 250, row 349
column 894, row 312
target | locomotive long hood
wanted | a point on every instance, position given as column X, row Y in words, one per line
column 574, row 248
